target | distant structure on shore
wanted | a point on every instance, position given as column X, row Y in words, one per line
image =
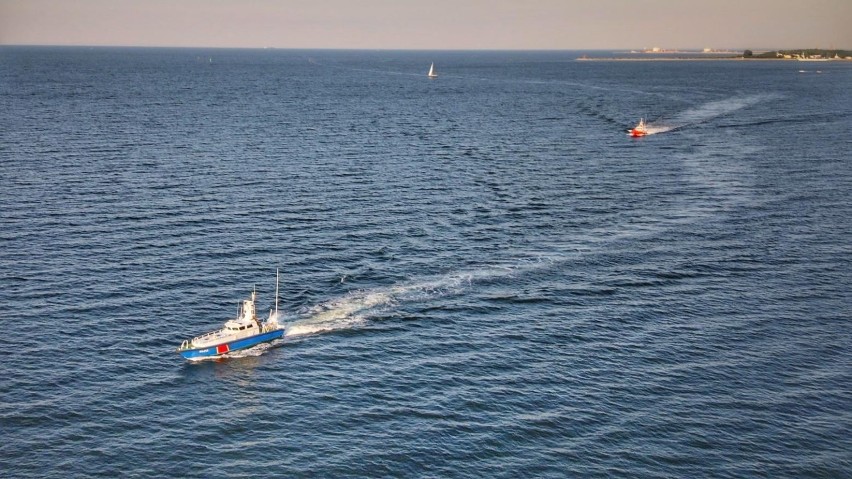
column 659, row 50
column 661, row 54
column 806, row 55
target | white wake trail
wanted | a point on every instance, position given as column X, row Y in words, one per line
column 355, row 308
column 706, row 112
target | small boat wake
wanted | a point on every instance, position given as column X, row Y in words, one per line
column 347, row 312
column 655, row 128
column 701, row 114
column 357, row 308
column 715, row 109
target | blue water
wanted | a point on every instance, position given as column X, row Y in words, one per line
column 482, row 275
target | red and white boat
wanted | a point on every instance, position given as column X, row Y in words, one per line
column 639, row 130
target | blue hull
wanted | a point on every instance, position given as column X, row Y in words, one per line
column 224, row 348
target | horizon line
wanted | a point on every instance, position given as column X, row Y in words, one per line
column 638, row 50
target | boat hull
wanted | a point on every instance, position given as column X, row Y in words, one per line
column 217, row 350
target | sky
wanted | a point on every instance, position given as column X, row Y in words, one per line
column 431, row 24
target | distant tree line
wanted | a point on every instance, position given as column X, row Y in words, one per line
column 794, row 53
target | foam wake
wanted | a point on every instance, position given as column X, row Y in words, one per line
column 706, row 112
column 357, row 307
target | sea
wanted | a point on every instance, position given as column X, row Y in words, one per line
column 481, row 275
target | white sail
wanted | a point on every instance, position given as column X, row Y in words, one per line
column 432, row 73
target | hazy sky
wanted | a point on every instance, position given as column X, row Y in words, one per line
column 431, row 24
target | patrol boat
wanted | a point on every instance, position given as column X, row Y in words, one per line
column 243, row 332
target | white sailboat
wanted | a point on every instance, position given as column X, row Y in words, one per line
column 432, row 73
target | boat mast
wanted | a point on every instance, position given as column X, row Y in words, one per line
column 276, row 292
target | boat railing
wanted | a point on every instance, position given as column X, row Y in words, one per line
column 187, row 343
column 208, row 335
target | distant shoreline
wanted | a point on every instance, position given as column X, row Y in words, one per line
column 703, row 59
column 805, row 55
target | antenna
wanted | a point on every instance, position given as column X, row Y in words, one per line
column 276, row 292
